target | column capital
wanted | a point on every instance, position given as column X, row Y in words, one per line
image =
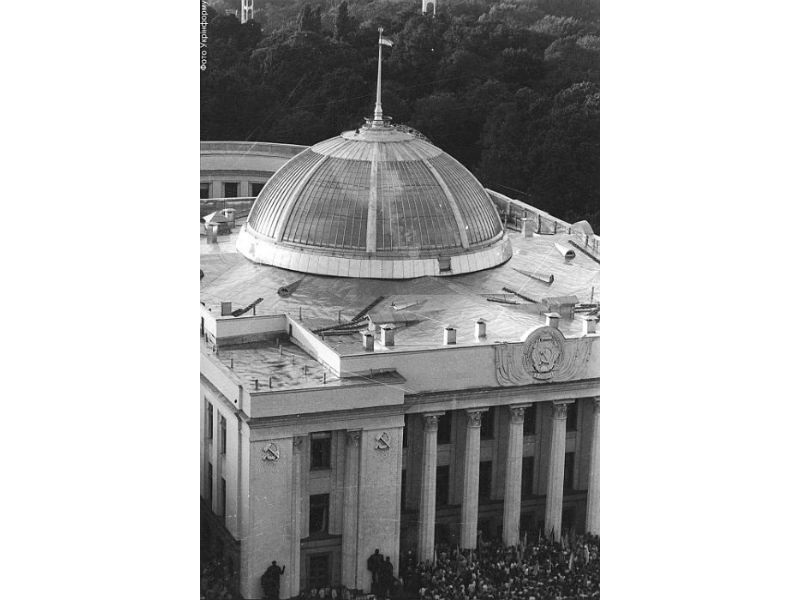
column 560, row 409
column 596, row 404
column 354, row 437
column 431, row 421
column 474, row 416
column 297, row 441
column 517, row 413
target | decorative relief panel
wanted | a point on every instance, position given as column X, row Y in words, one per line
column 546, row 355
column 271, row 452
column 382, row 441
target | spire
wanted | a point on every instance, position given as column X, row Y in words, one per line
column 378, row 118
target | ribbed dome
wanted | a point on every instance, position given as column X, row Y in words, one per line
column 375, row 202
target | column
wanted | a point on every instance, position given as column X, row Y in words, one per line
column 469, row 500
column 350, row 517
column 555, row 471
column 290, row 584
column 427, row 498
column 513, row 493
column 593, row 495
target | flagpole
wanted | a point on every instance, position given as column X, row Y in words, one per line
column 378, row 108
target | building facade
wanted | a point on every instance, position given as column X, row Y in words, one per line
column 392, row 357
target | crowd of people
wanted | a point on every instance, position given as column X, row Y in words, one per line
column 217, row 581
column 546, row 570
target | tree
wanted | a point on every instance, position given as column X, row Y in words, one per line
column 344, row 24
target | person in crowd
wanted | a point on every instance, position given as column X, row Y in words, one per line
column 374, row 565
column 271, row 581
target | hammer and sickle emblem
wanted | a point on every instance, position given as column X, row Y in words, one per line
column 383, row 441
column 271, row 452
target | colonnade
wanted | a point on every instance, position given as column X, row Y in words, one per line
column 513, row 480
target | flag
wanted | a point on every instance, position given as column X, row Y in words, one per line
column 385, row 41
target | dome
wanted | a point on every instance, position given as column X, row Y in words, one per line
column 378, row 202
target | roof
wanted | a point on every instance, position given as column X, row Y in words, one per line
column 375, row 194
column 422, row 306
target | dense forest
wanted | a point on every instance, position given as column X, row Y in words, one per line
column 511, row 89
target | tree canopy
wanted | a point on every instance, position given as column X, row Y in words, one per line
column 510, row 89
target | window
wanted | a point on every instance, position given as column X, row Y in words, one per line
column 485, row 480
column 445, row 426
column 319, row 571
column 205, row 191
column 318, row 514
column 255, row 188
column 231, row 189
column 223, row 435
column 487, row 425
column 529, row 424
column 321, row 450
column 572, row 417
column 405, row 431
column 209, row 420
column 223, row 490
column 210, row 483
column 528, row 465
column 442, row 485
column 569, row 469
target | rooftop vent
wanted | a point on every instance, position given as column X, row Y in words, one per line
column 387, row 335
column 527, row 227
column 567, row 253
column 368, row 341
column 226, row 309
column 449, row 336
column 552, row 319
column 589, row 325
column 480, row 330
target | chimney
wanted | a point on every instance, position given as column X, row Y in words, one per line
column 552, row 319
column 387, row 335
column 589, row 325
column 527, row 227
column 226, row 309
column 449, row 336
column 480, row 330
column 211, row 233
column 368, row 341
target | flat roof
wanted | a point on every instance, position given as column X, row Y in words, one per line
column 423, row 305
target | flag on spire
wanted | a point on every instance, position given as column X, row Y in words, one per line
column 383, row 40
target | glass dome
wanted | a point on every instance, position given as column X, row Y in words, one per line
column 375, row 202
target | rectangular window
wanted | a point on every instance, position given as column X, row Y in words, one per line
column 319, row 571
column 485, row 480
column 210, row 484
column 209, row 420
column 231, row 189
column 527, row 476
column 321, row 450
column 572, row 417
column 205, row 191
column 445, row 427
column 442, row 485
column 255, row 188
column 223, row 435
column 487, row 424
column 569, row 469
column 223, row 490
column 529, row 424
column 318, row 514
